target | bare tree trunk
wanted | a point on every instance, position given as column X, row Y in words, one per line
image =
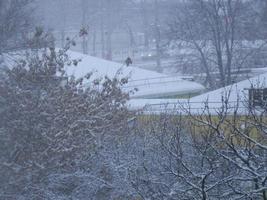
column 109, row 46
column 63, row 24
column 157, row 36
column 206, row 66
column 84, row 5
column 145, row 23
column 94, row 44
column 62, row 37
column 131, row 39
column 109, row 31
column 102, row 30
column 85, row 45
column 229, row 40
column 102, row 39
column 216, row 33
column 221, row 67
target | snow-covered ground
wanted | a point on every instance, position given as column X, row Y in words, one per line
column 150, row 84
column 233, row 96
column 102, row 68
column 236, row 95
column 153, row 104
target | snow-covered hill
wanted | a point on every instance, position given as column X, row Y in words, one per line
column 234, row 98
column 150, row 84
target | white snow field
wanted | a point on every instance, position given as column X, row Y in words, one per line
column 235, row 95
column 149, row 84
column 234, row 98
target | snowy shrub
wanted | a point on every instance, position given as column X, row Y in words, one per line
column 53, row 129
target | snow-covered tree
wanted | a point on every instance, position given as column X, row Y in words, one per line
column 240, row 140
column 55, row 133
column 15, row 23
column 179, row 164
column 213, row 154
column 217, row 36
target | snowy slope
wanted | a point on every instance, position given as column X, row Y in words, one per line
column 139, row 104
column 164, row 87
column 102, row 67
column 236, row 95
column 237, row 90
column 149, row 84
